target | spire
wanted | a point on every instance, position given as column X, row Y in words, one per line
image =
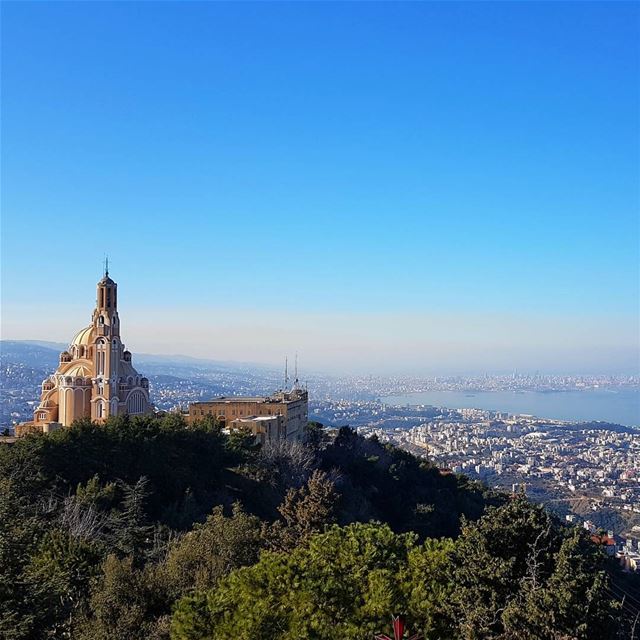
column 106, row 266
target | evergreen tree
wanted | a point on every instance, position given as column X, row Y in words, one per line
column 58, row 576
column 572, row 603
column 132, row 534
column 200, row 558
column 306, row 511
column 125, row 603
column 494, row 557
column 20, row 529
column 344, row 583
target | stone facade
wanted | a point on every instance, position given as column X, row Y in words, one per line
column 291, row 405
column 95, row 378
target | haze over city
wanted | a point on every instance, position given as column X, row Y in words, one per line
column 392, row 188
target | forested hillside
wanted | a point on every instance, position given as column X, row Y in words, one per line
column 146, row 529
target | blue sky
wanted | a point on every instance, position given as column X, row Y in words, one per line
column 401, row 186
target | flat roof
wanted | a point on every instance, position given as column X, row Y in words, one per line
column 275, row 399
column 235, row 399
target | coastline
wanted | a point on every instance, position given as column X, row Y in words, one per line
column 620, row 407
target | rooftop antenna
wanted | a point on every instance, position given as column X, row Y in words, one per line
column 286, row 373
column 106, row 265
column 295, row 384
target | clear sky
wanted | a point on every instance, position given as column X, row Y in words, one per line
column 420, row 187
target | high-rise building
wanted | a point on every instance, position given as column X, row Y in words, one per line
column 95, row 378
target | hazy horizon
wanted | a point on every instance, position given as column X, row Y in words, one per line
column 319, row 341
column 427, row 188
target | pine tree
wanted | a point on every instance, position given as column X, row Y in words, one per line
column 131, row 532
column 306, row 511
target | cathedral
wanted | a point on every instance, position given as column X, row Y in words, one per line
column 95, row 378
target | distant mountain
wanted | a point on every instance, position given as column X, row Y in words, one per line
column 39, row 353
column 31, row 354
column 47, row 344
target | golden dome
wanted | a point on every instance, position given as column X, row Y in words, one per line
column 84, row 336
column 78, row 370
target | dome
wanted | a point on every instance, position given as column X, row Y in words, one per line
column 78, row 371
column 84, row 336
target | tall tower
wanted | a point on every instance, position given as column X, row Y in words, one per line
column 109, row 350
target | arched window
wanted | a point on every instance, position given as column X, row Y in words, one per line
column 100, row 409
column 136, row 403
column 101, row 320
column 100, row 345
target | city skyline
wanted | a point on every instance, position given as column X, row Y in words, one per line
column 419, row 188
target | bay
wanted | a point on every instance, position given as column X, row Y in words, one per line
column 619, row 406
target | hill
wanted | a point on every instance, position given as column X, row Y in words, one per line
column 144, row 528
column 31, row 354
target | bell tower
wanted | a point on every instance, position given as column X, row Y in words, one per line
column 106, row 311
column 109, row 348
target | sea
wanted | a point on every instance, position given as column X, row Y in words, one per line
column 619, row 406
